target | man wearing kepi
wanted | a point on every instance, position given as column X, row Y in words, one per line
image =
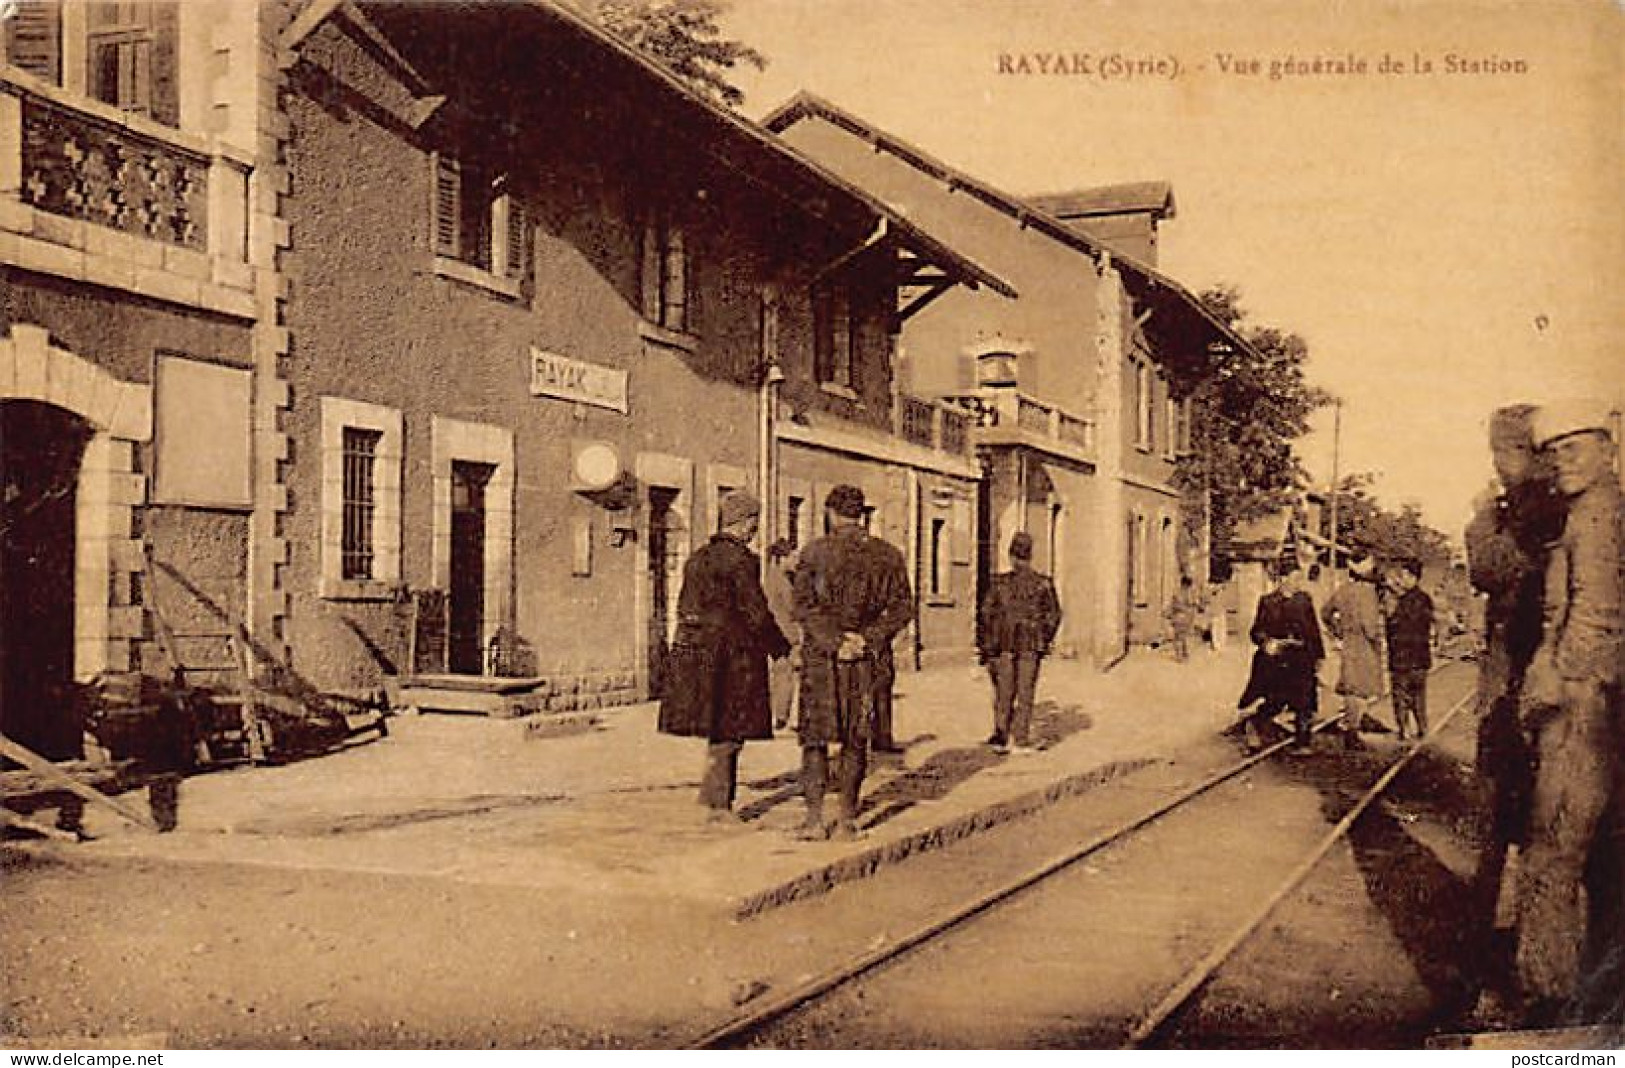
column 1512, row 529
column 717, row 687
column 1014, row 631
column 1567, row 690
column 852, row 597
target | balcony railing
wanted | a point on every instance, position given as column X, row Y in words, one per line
column 181, row 197
column 933, row 425
column 1007, row 409
column 74, row 165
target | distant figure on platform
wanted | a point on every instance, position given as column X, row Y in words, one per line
column 777, row 584
column 1218, row 618
column 1571, row 921
column 1285, row 666
column 1409, row 629
column 1354, row 621
column 1014, row 631
column 1182, row 613
column 717, row 687
column 852, row 597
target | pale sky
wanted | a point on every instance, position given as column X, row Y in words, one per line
column 1445, row 242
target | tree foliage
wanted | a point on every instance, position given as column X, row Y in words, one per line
column 1247, row 410
column 683, row 36
column 1363, row 523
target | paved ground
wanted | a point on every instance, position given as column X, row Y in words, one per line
column 612, row 809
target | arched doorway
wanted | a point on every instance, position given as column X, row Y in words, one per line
column 42, row 448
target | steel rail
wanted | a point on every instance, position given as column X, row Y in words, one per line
column 1204, row 970
column 744, row 1023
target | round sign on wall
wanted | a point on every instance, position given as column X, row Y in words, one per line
column 596, row 466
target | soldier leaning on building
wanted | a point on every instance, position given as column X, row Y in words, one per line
column 1567, row 691
column 852, row 597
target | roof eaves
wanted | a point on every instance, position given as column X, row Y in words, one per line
column 809, row 105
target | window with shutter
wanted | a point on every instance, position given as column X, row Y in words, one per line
column 447, row 209
column 667, row 275
column 517, row 263
column 833, row 335
column 130, row 55
column 33, row 39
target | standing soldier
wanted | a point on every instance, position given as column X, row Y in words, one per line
column 1507, row 540
column 852, row 597
column 717, row 689
column 1409, row 627
column 1574, row 675
column 1354, row 621
column 1286, row 665
column 1014, row 631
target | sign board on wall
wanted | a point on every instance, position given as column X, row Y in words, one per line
column 203, row 434
column 552, row 375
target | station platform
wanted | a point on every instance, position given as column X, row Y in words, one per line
column 609, row 807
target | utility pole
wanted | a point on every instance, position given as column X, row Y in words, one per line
column 1337, row 448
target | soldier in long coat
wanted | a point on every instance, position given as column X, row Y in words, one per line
column 1572, row 682
column 1286, row 663
column 852, row 597
column 1354, row 620
column 717, row 685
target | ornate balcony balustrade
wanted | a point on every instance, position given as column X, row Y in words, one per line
column 933, row 425
column 79, row 166
column 1006, row 414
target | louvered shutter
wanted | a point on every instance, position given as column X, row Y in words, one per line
column 675, row 313
column 518, row 239
column 34, row 39
column 652, row 268
column 164, row 90
column 447, row 206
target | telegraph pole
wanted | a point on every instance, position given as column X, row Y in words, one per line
column 1337, row 448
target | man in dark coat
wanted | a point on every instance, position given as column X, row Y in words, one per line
column 1285, row 667
column 717, row 686
column 1014, row 631
column 1408, row 627
column 852, row 597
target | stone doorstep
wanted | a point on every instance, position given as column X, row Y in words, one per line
column 867, row 862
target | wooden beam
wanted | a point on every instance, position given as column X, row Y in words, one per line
column 13, row 819
column 47, row 770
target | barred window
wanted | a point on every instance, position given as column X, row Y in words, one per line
column 360, row 501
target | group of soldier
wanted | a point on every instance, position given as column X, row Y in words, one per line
column 1379, row 616
column 818, row 628
column 1544, row 548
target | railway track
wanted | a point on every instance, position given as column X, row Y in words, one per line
column 756, row 1025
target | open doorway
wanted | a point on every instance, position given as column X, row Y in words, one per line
column 41, row 451
column 467, row 587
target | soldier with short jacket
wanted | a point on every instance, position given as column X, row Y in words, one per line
column 1568, row 689
column 1014, row 631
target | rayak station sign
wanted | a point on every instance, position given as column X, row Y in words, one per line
column 552, row 375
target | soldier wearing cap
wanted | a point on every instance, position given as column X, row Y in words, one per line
column 1514, row 525
column 1565, row 708
column 1014, row 630
column 717, row 688
column 852, row 597
column 1354, row 621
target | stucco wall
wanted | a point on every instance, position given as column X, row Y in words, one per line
column 371, row 320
